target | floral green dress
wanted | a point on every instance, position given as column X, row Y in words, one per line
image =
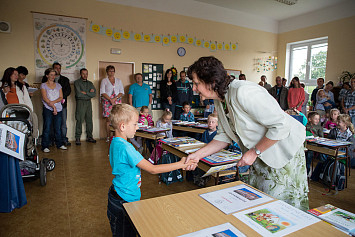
column 288, row 184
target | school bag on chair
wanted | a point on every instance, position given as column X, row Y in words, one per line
column 156, row 154
column 326, row 174
column 172, row 176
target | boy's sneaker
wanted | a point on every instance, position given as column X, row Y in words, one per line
column 46, row 150
column 107, row 139
column 63, row 147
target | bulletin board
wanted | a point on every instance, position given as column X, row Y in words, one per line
column 234, row 72
column 152, row 76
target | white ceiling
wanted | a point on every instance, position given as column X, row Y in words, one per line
column 273, row 9
column 265, row 15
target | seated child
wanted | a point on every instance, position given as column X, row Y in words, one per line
column 332, row 122
column 126, row 165
column 208, row 135
column 187, row 115
column 209, row 107
column 323, row 102
column 165, row 122
column 313, row 128
column 294, row 111
column 146, row 119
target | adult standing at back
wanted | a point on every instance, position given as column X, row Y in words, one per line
column 295, row 97
column 279, row 92
column 306, row 99
column 320, row 85
column 271, row 140
column 168, row 92
column 111, row 92
column 265, row 84
column 139, row 93
column 348, row 102
column 65, row 83
column 84, row 92
column 184, row 94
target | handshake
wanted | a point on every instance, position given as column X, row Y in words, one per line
column 189, row 163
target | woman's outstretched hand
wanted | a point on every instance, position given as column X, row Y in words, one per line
column 194, row 161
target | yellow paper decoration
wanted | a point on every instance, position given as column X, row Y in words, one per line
column 138, row 37
column 95, row 28
column 166, row 40
column 198, row 42
column 234, row 46
column 219, row 46
column 190, row 40
column 182, row 38
column 108, row 32
column 147, row 38
column 126, row 34
column 157, row 39
column 213, row 46
column 117, row 35
column 206, row 44
column 227, row 46
column 173, row 39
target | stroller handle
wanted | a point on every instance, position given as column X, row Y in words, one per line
column 18, row 119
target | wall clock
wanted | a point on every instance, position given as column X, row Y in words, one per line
column 181, row 51
column 60, row 43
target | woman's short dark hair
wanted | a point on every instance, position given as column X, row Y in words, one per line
column 22, row 69
column 330, row 82
column 211, row 72
column 109, row 67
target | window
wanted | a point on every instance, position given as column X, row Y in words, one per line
column 307, row 60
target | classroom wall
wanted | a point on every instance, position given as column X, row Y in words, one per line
column 17, row 48
column 341, row 46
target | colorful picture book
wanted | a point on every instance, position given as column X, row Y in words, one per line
column 181, row 141
column 328, row 142
column 276, row 219
column 222, row 156
column 237, row 198
column 340, row 218
column 224, row 230
column 12, row 141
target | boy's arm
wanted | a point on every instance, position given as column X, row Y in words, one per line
column 158, row 169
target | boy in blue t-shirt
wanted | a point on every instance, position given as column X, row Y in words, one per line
column 126, row 165
column 187, row 115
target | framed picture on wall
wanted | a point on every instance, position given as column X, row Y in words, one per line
column 234, row 72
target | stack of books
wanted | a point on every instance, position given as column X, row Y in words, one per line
column 181, row 141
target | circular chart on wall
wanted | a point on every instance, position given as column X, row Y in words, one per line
column 60, row 43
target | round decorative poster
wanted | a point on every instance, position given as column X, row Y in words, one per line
column 60, row 43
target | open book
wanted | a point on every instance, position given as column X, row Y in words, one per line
column 340, row 218
column 181, row 141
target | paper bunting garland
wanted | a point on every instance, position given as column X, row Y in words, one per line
column 166, row 40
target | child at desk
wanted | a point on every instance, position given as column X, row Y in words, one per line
column 187, row 115
column 165, row 122
column 145, row 119
column 313, row 128
column 332, row 122
column 126, row 165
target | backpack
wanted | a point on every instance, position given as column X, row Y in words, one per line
column 326, row 176
column 156, row 154
column 172, row 176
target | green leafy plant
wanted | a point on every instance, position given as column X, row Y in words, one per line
column 346, row 76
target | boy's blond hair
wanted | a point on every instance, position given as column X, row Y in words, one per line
column 122, row 113
column 212, row 116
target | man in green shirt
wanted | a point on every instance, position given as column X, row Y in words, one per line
column 84, row 91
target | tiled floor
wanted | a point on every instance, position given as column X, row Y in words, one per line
column 74, row 201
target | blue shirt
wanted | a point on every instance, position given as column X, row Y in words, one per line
column 140, row 94
column 124, row 159
column 207, row 137
column 189, row 117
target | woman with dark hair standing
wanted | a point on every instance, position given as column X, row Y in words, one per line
column 296, row 95
column 168, row 92
column 15, row 94
column 271, row 140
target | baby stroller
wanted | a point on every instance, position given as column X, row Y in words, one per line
column 21, row 118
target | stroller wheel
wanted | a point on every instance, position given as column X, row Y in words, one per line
column 50, row 164
column 43, row 173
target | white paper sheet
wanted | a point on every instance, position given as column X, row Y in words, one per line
column 276, row 219
column 12, row 141
column 226, row 229
column 235, row 198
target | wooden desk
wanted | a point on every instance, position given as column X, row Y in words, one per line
column 335, row 152
column 180, row 152
column 186, row 212
column 188, row 129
